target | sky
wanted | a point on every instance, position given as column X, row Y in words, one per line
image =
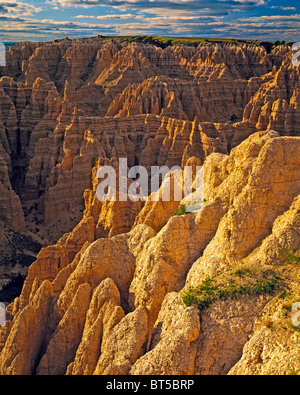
column 35, row 20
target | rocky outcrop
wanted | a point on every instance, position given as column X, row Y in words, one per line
column 10, row 206
column 34, row 320
column 174, row 333
column 130, row 274
column 275, row 106
column 124, row 345
column 55, row 95
column 103, row 315
column 126, row 292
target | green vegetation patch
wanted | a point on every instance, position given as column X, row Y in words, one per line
column 181, row 210
column 164, row 42
column 291, row 257
column 233, row 285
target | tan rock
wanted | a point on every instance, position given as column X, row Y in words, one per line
column 51, row 260
column 104, row 258
column 26, row 339
column 249, row 219
column 103, row 314
column 67, row 108
column 10, row 206
column 268, row 353
column 225, row 328
column 166, row 258
column 125, row 344
column 173, row 348
column 66, row 339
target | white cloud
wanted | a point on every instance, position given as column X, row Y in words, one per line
column 212, row 7
column 17, row 8
column 156, row 17
column 271, row 18
column 280, row 7
column 106, row 17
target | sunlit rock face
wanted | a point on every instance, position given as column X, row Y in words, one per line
column 106, row 283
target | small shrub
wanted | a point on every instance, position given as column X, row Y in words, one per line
column 290, row 257
column 181, row 210
column 283, row 294
column 243, row 271
column 210, row 290
column 269, row 323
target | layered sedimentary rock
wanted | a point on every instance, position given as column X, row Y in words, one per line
column 10, row 206
column 126, row 292
column 275, row 106
column 55, row 95
column 120, row 270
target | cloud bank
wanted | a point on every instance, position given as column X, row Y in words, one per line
column 244, row 19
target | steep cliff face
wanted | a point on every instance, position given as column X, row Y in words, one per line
column 126, row 292
column 276, row 104
column 131, row 273
column 54, row 98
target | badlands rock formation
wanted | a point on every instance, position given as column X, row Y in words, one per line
column 114, row 290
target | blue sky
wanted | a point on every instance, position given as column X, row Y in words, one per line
column 22, row 20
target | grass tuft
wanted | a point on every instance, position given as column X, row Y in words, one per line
column 290, row 257
column 211, row 290
column 181, row 210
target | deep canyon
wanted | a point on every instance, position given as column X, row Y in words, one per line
column 99, row 287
